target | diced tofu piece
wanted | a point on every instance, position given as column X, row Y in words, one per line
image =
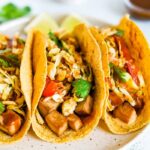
column 11, row 122
column 74, row 122
column 68, row 107
column 47, row 105
column 126, row 113
column 56, row 122
column 85, row 107
column 114, row 99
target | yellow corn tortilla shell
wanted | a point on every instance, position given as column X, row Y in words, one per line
column 104, row 53
column 26, row 87
column 93, row 56
column 139, row 50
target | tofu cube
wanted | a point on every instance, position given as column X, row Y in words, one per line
column 74, row 122
column 47, row 105
column 85, row 107
column 56, row 122
column 126, row 113
column 11, row 122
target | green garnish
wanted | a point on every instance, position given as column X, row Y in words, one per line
column 81, row 88
column 9, row 61
column 21, row 41
column 54, row 38
column 14, row 59
column 11, row 11
column 2, row 108
column 4, row 62
column 119, row 32
column 111, row 65
column 123, row 75
column 65, row 47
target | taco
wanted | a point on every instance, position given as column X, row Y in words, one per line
column 126, row 57
column 15, row 87
column 68, row 84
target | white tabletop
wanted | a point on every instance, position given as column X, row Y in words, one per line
column 108, row 10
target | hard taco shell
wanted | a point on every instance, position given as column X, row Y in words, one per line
column 140, row 52
column 91, row 51
column 26, row 87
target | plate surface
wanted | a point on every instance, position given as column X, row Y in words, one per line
column 99, row 139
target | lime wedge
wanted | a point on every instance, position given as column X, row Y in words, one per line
column 43, row 22
column 70, row 22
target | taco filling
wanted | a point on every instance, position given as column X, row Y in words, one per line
column 126, row 83
column 66, row 99
column 12, row 102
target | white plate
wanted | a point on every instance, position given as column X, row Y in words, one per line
column 99, row 139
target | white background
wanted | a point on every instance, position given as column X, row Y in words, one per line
column 107, row 10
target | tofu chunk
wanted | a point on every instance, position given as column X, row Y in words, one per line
column 11, row 122
column 47, row 105
column 56, row 122
column 85, row 107
column 126, row 113
column 74, row 122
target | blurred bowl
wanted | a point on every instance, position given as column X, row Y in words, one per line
column 137, row 10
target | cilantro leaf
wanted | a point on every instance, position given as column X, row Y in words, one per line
column 11, row 11
column 122, row 75
column 2, row 108
column 119, row 32
column 111, row 65
column 14, row 59
column 54, row 38
column 4, row 62
column 9, row 61
column 81, row 88
column 21, row 41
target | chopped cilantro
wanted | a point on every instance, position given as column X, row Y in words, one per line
column 54, row 38
column 123, row 75
column 4, row 62
column 14, row 59
column 111, row 65
column 119, row 32
column 9, row 61
column 11, row 11
column 21, row 41
column 81, row 88
column 2, row 108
